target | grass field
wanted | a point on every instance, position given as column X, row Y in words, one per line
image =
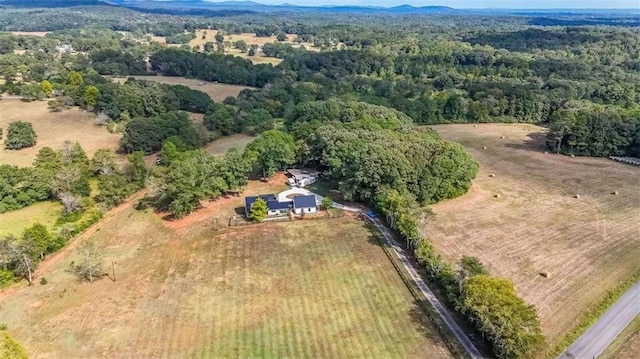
column 587, row 244
column 31, row 33
column 627, row 344
column 223, row 144
column 52, row 129
column 218, row 92
column 15, row 222
column 305, row 289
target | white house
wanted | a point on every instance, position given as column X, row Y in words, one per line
column 305, row 204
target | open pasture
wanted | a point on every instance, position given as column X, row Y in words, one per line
column 303, row 289
column 217, row 91
column 530, row 212
column 52, row 129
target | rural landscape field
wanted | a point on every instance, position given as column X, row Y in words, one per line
column 319, row 288
column 587, row 245
column 53, row 129
column 217, row 91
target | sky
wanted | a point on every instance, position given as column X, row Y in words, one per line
column 475, row 4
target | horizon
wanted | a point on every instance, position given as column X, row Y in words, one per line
column 462, row 4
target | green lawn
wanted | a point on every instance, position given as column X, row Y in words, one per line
column 15, row 222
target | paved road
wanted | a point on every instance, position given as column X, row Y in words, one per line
column 471, row 350
column 597, row 338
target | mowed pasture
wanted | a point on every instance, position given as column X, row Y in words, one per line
column 15, row 222
column 52, row 129
column 217, row 91
column 220, row 146
column 305, row 289
column 588, row 244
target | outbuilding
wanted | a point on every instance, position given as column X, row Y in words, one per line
column 305, row 204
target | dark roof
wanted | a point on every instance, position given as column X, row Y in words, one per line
column 275, row 205
column 307, row 201
column 248, row 201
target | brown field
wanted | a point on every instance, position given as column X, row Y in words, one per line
column 218, row 92
column 223, row 144
column 588, row 244
column 304, row 289
column 52, row 129
column 31, row 33
column 627, row 344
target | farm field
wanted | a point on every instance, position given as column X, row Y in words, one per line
column 223, row 144
column 218, row 92
column 14, row 222
column 627, row 344
column 290, row 289
column 31, row 33
column 52, row 129
column 587, row 244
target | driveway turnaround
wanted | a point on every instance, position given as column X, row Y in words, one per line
column 597, row 338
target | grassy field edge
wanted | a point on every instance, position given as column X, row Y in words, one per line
column 447, row 335
column 591, row 316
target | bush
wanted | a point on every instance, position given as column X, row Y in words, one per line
column 20, row 135
column 6, row 278
column 43, row 281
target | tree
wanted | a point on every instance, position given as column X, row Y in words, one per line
column 136, row 170
column 272, row 151
column 47, row 88
column 91, row 96
column 281, row 37
column 17, row 255
column 259, row 210
column 38, row 239
column 327, row 203
column 70, row 203
column 89, row 265
column 241, row 45
column 103, row 162
column 219, row 38
column 114, row 189
column 251, row 52
column 74, row 79
column 20, row 135
column 101, row 119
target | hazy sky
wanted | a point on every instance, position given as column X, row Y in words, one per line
column 474, row 4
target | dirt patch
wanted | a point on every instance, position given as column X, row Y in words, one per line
column 52, row 129
column 587, row 244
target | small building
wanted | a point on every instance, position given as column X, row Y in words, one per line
column 248, row 201
column 305, row 204
column 302, row 177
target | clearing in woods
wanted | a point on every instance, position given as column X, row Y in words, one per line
column 220, row 146
column 52, row 129
column 14, row 222
column 303, row 289
column 588, row 244
column 218, row 92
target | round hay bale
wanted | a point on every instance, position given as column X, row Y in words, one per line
column 545, row 274
column 502, row 137
column 475, row 125
column 546, row 152
column 577, row 196
column 492, row 175
column 615, row 193
column 573, row 156
column 484, row 147
column 497, row 195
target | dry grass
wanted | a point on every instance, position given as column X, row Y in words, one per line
column 218, row 92
column 52, row 129
column 588, row 245
column 14, row 222
column 627, row 344
column 31, row 33
column 303, row 289
column 223, row 144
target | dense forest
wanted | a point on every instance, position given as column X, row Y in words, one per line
column 353, row 106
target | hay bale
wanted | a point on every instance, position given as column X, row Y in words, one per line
column 484, row 147
column 576, row 196
column 573, row 156
column 615, row 193
column 497, row 195
column 546, row 152
column 502, row 137
column 475, row 125
column 545, row 274
column 492, row 175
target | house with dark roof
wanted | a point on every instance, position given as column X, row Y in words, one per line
column 305, row 204
column 299, row 204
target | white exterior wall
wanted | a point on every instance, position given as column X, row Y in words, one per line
column 306, row 210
